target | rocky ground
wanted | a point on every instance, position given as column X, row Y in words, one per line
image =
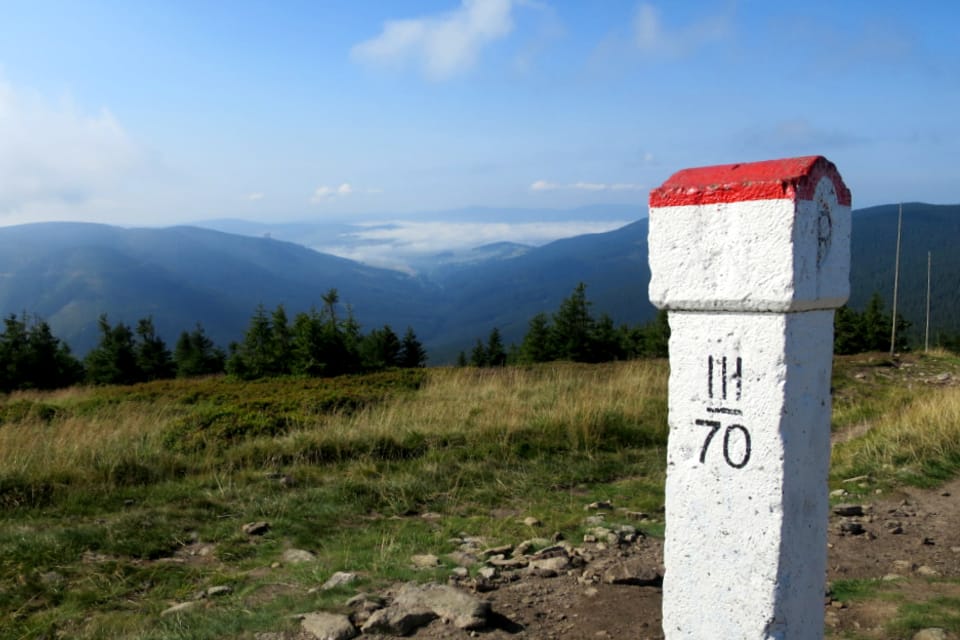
column 608, row 586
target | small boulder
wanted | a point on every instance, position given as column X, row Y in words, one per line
column 848, row 510
column 338, row 579
column 425, row 561
column 463, row 610
column 633, row 571
column 298, row 556
column 397, row 621
column 328, row 626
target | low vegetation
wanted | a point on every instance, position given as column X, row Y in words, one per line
column 110, row 497
column 102, row 490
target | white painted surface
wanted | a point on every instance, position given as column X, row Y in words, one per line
column 758, row 255
column 745, row 551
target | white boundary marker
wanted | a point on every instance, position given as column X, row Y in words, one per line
column 750, row 260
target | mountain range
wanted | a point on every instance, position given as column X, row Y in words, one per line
column 70, row 273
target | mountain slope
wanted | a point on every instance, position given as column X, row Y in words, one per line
column 926, row 228
column 70, row 273
column 507, row 293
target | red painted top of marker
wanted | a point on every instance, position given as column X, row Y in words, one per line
column 785, row 179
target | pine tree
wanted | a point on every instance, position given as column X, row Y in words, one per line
column 153, row 358
column 848, row 333
column 537, row 346
column 380, row 349
column 307, row 344
column 495, row 354
column 573, row 327
column 196, row 355
column 876, row 325
column 281, row 343
column 412, row 353
column 31, row 357
column 478, row 357
column 14, row 350
column 253, row 358
column 114, row 359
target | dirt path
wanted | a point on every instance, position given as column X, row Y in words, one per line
column 911, row 538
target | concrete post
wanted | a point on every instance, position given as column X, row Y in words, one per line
column 750, row 260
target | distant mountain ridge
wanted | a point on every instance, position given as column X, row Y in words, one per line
column 69, row 273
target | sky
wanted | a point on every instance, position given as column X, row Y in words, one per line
column 154, row 113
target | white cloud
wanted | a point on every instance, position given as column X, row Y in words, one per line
column 441, row 46
column 544, row 185
column 392, row 244
column 253, row 197
column 651, row 36
column 55, row 158
column 324, row 193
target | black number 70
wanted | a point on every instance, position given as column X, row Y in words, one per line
column 714, row 426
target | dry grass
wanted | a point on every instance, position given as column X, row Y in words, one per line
column 35, row 447
column 506, row 400
column 565, row 406
column 917, row 442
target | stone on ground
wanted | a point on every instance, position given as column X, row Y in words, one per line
column 328, row 626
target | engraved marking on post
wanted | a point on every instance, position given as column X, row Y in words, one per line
column 715, row 425
column 736, row 377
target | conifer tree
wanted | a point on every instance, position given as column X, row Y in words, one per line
column 152, row 356
column 412, row 354
column 478, row 357
column 573, row 327
column 31, row 357
column 495, row 355
column 253, row 358
column 196, row 355
column 380, row 349
column 114, row 359
column 281, row 339
column 537, row 346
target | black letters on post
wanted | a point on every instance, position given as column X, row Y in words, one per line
column 737, row 462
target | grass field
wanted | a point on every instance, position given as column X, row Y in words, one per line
column 111, row 497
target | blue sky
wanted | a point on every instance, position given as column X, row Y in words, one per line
column 149, row 113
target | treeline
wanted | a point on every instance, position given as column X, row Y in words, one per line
column 316, row 343
column 572, row 333
column 867, row 330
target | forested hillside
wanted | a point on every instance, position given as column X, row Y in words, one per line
column 69, row 274
column 926, row 228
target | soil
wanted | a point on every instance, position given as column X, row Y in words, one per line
column 928, row 541
column 910, row 540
